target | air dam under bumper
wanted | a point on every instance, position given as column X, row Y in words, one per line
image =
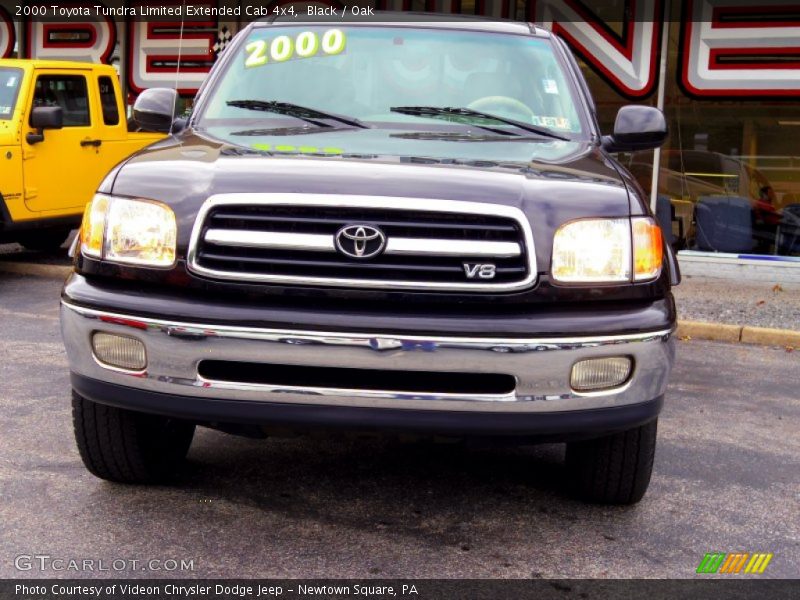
column 540, row 367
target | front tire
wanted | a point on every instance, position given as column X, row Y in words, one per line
column 614, row 469
column 127, row 446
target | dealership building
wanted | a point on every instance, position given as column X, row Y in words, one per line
column 726, row 185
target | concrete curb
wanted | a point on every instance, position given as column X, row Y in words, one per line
column 687, row 330
column 746, row 334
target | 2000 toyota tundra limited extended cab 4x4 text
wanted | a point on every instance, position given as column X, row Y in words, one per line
column 400, row 227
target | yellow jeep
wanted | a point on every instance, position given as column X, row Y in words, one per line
column 62, row 128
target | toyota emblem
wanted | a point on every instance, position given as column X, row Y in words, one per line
column 360, row 241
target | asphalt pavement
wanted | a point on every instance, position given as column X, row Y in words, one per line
column 774, row 304
column 727, row 479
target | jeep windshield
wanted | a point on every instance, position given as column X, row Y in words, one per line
column 9, row 88
column 386, row 90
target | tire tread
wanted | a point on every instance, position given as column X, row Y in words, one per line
column 614, row 469
column 126, row 446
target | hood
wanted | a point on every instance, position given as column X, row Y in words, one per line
column 552, row 181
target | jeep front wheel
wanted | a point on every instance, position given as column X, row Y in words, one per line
column 44, row 240
column 614, row 469
column 127, row 446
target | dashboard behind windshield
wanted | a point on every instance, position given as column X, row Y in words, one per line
column 364, row 72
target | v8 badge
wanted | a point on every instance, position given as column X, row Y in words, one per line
column 479, row 270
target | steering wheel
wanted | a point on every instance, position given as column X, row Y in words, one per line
column 502, row 105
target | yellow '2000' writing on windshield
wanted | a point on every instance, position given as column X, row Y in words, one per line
column 304, row 45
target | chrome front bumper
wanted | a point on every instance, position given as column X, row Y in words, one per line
column 541, row 366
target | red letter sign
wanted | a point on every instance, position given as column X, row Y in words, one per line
column 628, row 63
column 159, row 57
column 731, row 48
column 86, row 41
column 7, row 37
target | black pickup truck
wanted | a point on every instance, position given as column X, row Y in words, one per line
column 404, row 227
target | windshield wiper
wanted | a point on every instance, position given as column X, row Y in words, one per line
column 279, row 131
column 309, row 115
column 450, row 136
column 449, row 111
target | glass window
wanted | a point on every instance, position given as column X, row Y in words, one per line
column 108, row 101
column 9, row 88
column 731, row 171
column 366, row 71
column 68, row 92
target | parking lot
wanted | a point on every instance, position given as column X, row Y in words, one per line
column 727, row 479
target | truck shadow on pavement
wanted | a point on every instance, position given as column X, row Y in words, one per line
column 375, row 483
column 16, row 253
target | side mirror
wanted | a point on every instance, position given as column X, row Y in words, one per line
column 637, row 128
column 154, row 109
column 44, row 117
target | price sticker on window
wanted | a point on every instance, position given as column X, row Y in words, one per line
column 306, row 44
column 550, row 86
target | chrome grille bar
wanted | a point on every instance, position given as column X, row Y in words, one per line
column 270, row 239
column 466, row 248
column 398, row 246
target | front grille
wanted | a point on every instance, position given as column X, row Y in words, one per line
column 428, row 244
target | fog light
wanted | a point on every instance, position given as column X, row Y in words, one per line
column 119, row 351
column 600, row 373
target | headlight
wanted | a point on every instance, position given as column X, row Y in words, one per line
column 93, row 227
column 607, row 251
column 136, row 232
column 648, row 249
column 593, row 251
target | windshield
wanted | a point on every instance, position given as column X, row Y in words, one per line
column 9, row 87
column 292, row 81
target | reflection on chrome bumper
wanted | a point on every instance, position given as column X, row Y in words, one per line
column 541, row 367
